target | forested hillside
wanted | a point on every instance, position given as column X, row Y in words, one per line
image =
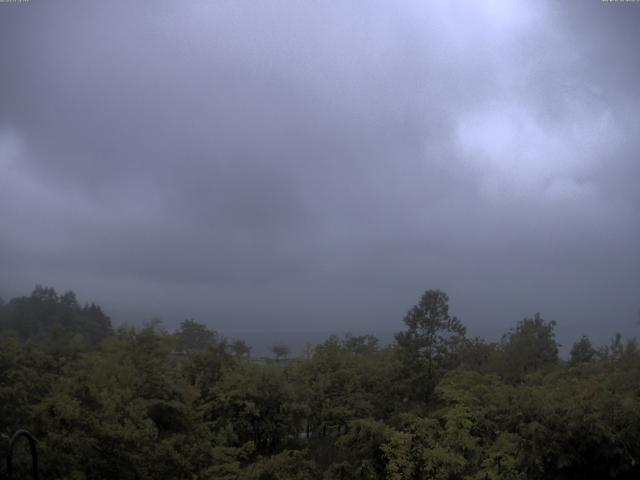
column 146, row 403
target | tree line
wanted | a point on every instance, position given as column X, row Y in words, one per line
column 138, row 403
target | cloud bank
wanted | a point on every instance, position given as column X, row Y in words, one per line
column 316, row 166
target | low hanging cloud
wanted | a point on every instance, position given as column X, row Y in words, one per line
column 317, row 166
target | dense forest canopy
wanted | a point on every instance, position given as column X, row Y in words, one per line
column 143, row 402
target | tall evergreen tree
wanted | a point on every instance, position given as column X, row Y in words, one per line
column 430, row 344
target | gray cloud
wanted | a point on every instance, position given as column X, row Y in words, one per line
column 318, row 165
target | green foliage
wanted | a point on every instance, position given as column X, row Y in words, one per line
column 582, row 352
column 286, row 465
column 361, row 345
column 123, row 413
column 361, row 451
column 280, row 351
column 479, row 355
column 529, row 347
column 205, row 368
column 338, row 385
column 55, row 321
column 255, row 403
column 240, row 348
column 27, row 374
column 145, row 403
column 193, row 336
column 430, row 345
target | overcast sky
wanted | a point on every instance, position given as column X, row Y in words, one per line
column 316, row 165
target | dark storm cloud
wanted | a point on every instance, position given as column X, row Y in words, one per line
column 317, row 165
